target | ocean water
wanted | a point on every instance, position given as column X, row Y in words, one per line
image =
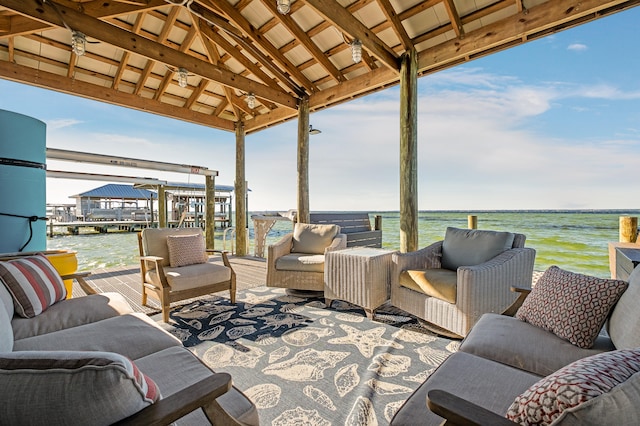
column 573, row 240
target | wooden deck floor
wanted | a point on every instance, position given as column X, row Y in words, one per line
column 250, row 272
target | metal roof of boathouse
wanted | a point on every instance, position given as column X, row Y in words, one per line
column 118, row 191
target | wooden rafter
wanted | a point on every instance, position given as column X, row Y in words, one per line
column 346, row 23
column 305, row 41
column 454, row 17
column 21, row 25
column 260, row 40
column 125, row 55
column 147, row 48
column 395, row 23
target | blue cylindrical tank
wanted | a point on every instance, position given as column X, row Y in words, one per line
column 23, row 193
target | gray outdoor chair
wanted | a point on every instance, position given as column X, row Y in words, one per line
column 451, row 283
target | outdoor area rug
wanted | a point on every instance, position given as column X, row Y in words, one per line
column 301, row 362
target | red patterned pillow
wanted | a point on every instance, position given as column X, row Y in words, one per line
column 186, row 250
column 34, row 284
column 570, row 305
column 592, row 379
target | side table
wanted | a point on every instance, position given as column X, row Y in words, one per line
column 358, row 275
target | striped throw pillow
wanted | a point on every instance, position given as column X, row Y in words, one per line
column 186, row 250
column 72, row 387
column 34, row 284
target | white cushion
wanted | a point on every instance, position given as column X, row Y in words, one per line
column 624, row 322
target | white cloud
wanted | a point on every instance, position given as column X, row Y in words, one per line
column 62, row 123
column 577, row 47
column 478, row 148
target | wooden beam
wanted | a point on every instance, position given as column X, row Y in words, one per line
column 210, row 219
column 347, row 23
column 305, row 41
column 266, row 62
column 125, row 55
column 303, row 215
column 240, row 21
column 409, row 152
column 146, row 48
column 46, row 80
column 21, row 25
column 396, row 24
column 543, row 19
column 454, row 17
column 240, row 190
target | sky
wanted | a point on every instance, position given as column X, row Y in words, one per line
column 551, row 124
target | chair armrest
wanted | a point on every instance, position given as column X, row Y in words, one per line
column 168, row 410
column 523, row 293
column 429, row 257
column 152, row 258
column 458, row 411
column 339, row 242
column 80, row 278
column 485, row 287
column 280, row 248
column 223, row 254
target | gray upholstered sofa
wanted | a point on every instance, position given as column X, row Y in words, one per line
column 65, row 366
column 506, row 364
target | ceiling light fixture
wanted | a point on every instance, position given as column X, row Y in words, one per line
column 78, row 43
column 313, row 131
column 283, row 6
column 251, row 100
column 182, row 77
column 356, row 50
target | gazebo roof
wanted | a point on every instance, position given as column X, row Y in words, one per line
column 231, row 49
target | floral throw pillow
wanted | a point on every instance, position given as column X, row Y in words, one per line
column 34, row 284
column 572, row 306
column 592, row 388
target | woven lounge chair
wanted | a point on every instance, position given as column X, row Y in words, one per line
column 451, row 283
column 297, row 260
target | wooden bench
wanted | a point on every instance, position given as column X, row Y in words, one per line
column 356, row 226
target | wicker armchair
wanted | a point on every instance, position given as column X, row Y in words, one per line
column 297, row 260
column 469, row 291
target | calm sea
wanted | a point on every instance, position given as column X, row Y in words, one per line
column 574, row 240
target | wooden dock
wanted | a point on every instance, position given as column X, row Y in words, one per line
column 250, row 272
column 105, row 226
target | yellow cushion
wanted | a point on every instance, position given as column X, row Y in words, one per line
column 439, row 283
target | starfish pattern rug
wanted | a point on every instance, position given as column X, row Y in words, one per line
column 302, row 362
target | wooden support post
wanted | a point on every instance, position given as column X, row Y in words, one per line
column 472, row 222
column 241, row 192
column 409, row 152
column 162, row 207
column 210, row 220
column 377, row 222
column 303, row 160
column 628, row 229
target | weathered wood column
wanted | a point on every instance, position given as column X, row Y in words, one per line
column 241, row 192
column 303, row 160
column 162, row 207
column 210, row 220
column 409, row 152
